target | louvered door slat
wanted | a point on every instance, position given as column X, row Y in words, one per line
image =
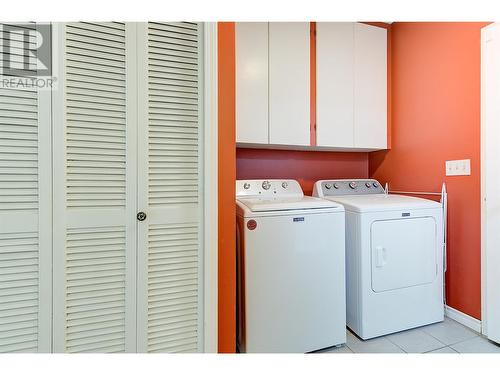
column 25, row 214
column 86, row 286
column 95, row 237
column 169, row 293
column 13, row 167
column 94, row 114
column 160, row 50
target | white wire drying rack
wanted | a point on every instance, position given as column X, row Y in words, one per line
column 444, row 205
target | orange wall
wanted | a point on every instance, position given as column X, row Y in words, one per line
column 436, row 117
column 305, row 166
column 226, row 178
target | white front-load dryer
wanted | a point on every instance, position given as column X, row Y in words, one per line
column 291, row 269
column 394, row 257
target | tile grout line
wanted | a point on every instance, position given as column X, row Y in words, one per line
column 458, row 342
column 469, row 339
column 422, row 329
column 447, row 346
column 417, row 329
column 387, row 337
column 431, row 335
column 348, row 347
column 380, row 337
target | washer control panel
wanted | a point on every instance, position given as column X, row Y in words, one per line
column 268, row 188
column 329, row 188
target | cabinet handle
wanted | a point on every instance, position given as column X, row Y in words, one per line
column 141, row 216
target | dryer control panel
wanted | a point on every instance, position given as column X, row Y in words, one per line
column 329, row 188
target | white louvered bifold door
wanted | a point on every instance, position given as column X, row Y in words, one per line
column 25, row 213
column 169, row 299
column 95, row 188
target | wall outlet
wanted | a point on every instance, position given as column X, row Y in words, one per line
column 458, row 167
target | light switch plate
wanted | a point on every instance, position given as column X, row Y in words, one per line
column 458, row 167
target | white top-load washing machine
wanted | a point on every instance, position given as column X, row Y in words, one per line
column 291, row 269
column 394, row 257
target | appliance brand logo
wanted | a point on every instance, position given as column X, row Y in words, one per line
column 405, row 214
column 251, row 224
column 296, row 219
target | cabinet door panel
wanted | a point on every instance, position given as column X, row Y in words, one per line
column 289, row 83
column 335, row 81
column 370, row 87
column 252, row 110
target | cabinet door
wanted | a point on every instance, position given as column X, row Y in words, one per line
column 370, row 87
column 335, row 82
column 95, row 188
column 289, row 83
column 25, row 207
column 252, row 125
column 170, row 164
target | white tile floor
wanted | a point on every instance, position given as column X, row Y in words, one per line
column 446, row 337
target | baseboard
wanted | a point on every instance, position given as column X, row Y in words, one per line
column 463, row 319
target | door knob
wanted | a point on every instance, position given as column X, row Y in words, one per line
column 141, row 216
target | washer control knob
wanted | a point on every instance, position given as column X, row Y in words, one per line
column 284, row 184
column 375, row 185
column 328, row 185
column 353, row 184
column 336, row 186
column 246, row 186
column 368, row 185
column 266, row 185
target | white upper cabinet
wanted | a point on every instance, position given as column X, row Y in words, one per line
column 289, row 83
column 273, row 85
column 335, row 84
column 252, row 42
column 351, row 63
column 370, row 87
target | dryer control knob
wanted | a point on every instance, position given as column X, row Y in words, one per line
column 375, row 185
column 353, row 185
column 266, row 185
column 284, row 185
column 336, row 186
column 368, row 185
column 246, row 186
column 328, row 186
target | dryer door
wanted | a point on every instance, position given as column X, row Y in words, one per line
column 403, row 253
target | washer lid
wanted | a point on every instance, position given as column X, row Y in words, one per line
column 383, row 202
column 286, row 204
